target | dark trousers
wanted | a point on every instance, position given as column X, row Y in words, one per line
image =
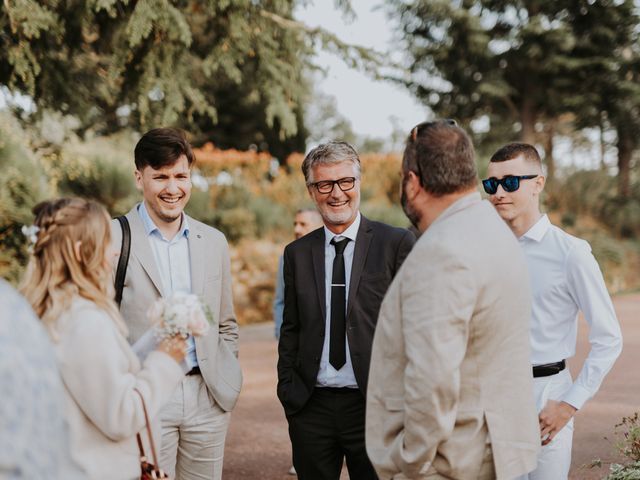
column 329, row 428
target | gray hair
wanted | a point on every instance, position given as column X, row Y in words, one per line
column 330, row 153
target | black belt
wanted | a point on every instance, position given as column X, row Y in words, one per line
column 194, row 371
column 340, row 390
column 548, row 369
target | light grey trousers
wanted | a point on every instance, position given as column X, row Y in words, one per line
column 194, row 428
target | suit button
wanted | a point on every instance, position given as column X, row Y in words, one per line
column 317, row 359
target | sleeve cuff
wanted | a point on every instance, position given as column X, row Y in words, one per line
column 577, row 396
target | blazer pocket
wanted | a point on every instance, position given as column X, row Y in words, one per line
column 394, row 404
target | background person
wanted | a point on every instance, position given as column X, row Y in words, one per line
column 306, row 220
column 172, row 252
column 68, row 285
column 335, row 278
column 565, row 279
column 450, row 382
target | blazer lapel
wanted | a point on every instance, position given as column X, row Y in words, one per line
column 363, row 240
column 196, row 257
column 196, row 262
column 141, row 248
column 317, row 254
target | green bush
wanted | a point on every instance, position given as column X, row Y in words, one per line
column 390, row 214
column 200, row 207
column 22, row 185
column 594, row 193
column 236, row 223
column 100, row 179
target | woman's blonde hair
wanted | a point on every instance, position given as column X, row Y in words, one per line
column 69, row 259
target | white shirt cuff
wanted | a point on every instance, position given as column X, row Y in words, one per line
column 577, row 396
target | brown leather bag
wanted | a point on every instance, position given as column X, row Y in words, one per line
column 148, row 471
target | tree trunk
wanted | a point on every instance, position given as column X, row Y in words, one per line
column 528, row 120
column 549, row 132
column 603, row 148
column 625, row 150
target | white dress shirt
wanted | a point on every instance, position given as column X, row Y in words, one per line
column 566, row 279
column 174, row 265
column 327, row 375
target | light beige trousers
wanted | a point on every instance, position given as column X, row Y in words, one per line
column 194, row 428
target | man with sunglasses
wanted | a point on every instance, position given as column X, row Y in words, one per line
column 565, row 279
column 450, row 395
column 335, row 278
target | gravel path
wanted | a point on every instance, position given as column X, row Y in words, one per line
column 258, row 443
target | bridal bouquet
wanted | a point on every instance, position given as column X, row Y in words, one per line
column 181, row 314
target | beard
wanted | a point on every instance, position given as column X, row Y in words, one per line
column 168, row 217
column 412, row 214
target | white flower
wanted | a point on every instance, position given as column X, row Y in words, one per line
column 31, row 232
column 181, row 314
column 156, row 312
column 198, row 323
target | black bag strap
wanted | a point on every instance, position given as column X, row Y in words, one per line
column 124, row 257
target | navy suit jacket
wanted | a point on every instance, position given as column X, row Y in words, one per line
column 379, row 251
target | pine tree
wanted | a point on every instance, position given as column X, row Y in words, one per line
column 517, row 64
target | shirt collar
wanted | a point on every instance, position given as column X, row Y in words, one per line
column 152, row 229
column 351, row 233
column 539, row 229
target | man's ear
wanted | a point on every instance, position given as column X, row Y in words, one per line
column 541, row 180
column 413, row 184
column 138, row 175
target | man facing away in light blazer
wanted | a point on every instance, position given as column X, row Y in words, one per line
column 172, row 252
column 450, row 379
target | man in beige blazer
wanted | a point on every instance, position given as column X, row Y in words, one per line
column 450, row 383
column 172, row 252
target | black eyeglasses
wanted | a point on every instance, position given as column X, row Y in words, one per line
column 510, row 183
column 326, row 186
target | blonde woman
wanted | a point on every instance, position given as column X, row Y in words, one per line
column 68, row 285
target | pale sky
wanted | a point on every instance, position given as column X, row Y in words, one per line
column 366, row 103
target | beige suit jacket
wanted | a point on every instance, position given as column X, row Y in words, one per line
column 100, row 371
column 210, row 279
column 450, row 367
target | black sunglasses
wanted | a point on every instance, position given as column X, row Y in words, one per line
column 326, row 186
column 510, row 183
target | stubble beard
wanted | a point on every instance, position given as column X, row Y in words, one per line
column 412, row 214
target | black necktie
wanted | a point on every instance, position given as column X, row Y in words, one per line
column 337, row 353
